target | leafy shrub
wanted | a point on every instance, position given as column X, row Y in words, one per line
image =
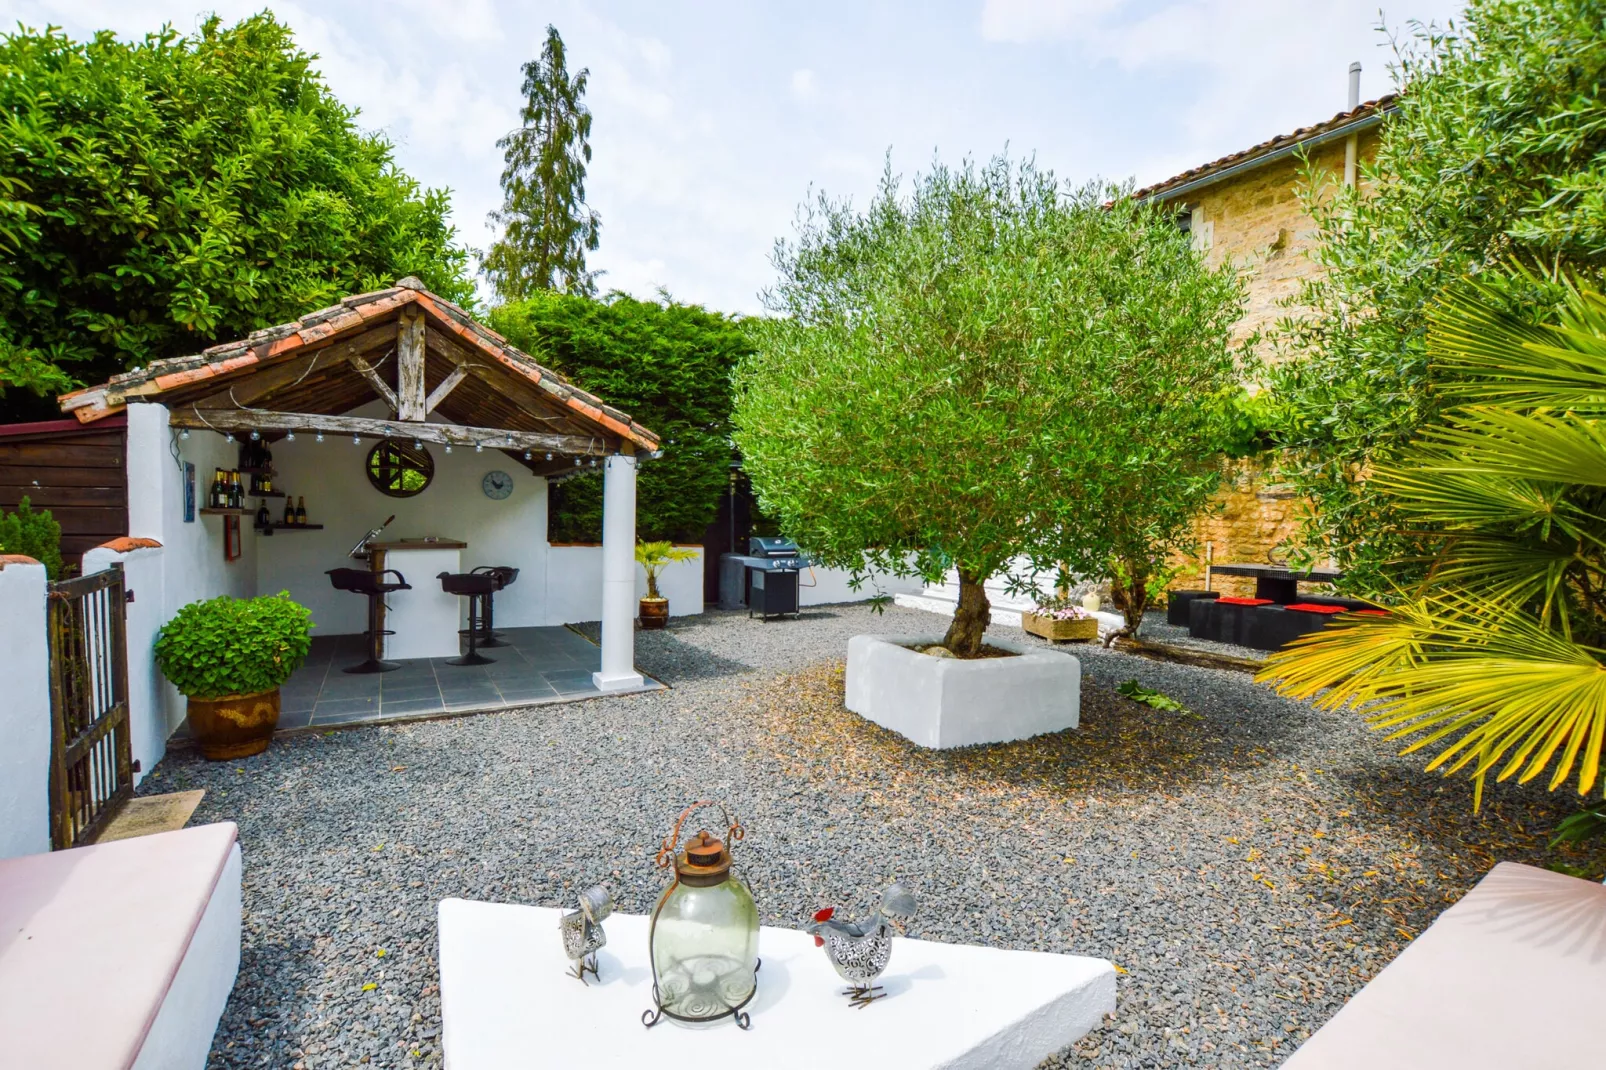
column 162, row 195
column 35, row 534
column 234, row 646
column 1497, row 151
column 668, row 365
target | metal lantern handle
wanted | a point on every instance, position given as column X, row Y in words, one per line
column 671, row 844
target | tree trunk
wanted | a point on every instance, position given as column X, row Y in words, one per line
column 971, row 617
column 1131, row 597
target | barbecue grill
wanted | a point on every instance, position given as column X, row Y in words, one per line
column 767, row 575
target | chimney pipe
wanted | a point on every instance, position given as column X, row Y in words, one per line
column 1352, row 143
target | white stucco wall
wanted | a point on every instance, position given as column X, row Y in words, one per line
column 831, row 585
column 155, row 707
column 24, row 712
column 574, row 584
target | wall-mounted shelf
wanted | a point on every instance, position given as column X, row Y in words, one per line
column 226, row 512
column 292, row 527
column 266, row 494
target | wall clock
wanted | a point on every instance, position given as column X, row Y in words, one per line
column 497, row 485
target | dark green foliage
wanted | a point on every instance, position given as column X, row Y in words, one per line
column 547, row 226
column 35, row 534
column 1498, row 152
column 668, row 365
column 161, row 196
column 234, row 646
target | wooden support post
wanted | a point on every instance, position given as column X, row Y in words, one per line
column 381, row 387
column 446, row 386
column 410, row 365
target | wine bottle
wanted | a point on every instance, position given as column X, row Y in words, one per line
column 236, row 491
column 301, row 511
column 289, row 510
column 264, row 518
column 215, row 496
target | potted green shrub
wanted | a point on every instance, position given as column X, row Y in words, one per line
column 228, row 656
column 654, row 557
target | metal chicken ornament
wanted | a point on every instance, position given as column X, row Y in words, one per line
column 861, row 950
column 582, row 931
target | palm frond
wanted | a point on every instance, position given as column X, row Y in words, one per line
column 1503, row 693
column 1535, row 446
column 1495, row 357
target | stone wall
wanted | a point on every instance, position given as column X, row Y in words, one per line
column 1255, row 221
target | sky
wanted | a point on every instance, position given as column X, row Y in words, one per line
column 714, row 121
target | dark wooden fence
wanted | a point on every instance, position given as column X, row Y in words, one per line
column 78, row 472
column 91, row 767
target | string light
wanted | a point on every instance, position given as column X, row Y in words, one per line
column 289, row 436
column 549, row 456
column 526, row 455
column 593, row 462
column 479, row 447
column 448, row 447
column 320, row 437
column 184, row 434
column 356, row 441
column 255, row 435
column 577, row 462
column 229, row 437
column 417, row 445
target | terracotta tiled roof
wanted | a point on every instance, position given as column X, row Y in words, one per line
column 1363, row 111
column 272, row 344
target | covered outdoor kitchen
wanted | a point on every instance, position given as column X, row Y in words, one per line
column 385, row 461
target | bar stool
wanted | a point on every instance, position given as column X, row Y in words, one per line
column 372, row 584
column 477, row 587
column 505, row 575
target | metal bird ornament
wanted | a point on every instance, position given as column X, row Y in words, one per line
column 582, row 931
column 860, row 950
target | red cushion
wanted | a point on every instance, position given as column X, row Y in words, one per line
column 1243, row 601
column 1311, row 607
column 1371, row 612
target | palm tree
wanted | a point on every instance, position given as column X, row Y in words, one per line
column 1497, row 661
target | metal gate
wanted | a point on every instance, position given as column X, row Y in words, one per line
column 91, row 767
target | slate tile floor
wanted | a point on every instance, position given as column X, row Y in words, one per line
column 540, row 665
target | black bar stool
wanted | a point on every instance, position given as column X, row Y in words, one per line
column 477, row 587
column 375, row 587
column 505, row 575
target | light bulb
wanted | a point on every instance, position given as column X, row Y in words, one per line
column 549, row 456
column 417, row 445
column 593, row 462
column 479, row 447
column 448, row 447
column 255, row 435
column 229, row 437
column 184, row 433
column 289, row 436
column 356, row 441
column 577, row 462
column 320, row 437
column 526, row 455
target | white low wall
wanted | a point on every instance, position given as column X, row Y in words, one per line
column 25, row 710
column 574, row 584
column 155, row 707
column 822, row 586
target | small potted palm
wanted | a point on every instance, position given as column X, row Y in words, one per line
column 654, row 557
column 228, row 656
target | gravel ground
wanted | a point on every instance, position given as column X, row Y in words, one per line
column 1248, row 864
column 1156, row 630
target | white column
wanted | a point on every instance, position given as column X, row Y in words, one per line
column 25, row 712
column 618, row 576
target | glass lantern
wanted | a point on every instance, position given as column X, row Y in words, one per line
column 704, row 933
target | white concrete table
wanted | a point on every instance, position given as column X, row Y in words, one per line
column 425, row 619
column 506, row 1003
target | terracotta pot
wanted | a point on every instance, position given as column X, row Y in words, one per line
column 654, row 613
column 234, row 726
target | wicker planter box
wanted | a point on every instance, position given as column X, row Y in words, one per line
column 1060, row 630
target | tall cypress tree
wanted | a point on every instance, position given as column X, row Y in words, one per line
column 547, row 228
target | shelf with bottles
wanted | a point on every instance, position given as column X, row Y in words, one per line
column 276, row 526
column 224, row 512
column 265, row 494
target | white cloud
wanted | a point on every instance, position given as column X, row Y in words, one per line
column 803, row 84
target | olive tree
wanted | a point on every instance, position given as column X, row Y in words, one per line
column 987, row 367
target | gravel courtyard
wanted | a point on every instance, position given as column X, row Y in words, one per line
column 1247, row 864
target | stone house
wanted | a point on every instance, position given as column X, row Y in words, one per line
column 1245, row 209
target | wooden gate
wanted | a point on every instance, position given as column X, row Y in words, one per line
column 91, row 767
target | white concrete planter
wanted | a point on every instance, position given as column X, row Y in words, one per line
column 946, row 702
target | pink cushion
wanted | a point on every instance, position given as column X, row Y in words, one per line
column 90, row 940
column 1510, row 977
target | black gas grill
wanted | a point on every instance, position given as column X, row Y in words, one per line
column 771, row 568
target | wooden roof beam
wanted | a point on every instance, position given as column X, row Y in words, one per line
column 267, row 420
column 264, row 383
column 410, row 365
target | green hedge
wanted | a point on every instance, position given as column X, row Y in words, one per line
column 161, row 195
column 668, row 365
